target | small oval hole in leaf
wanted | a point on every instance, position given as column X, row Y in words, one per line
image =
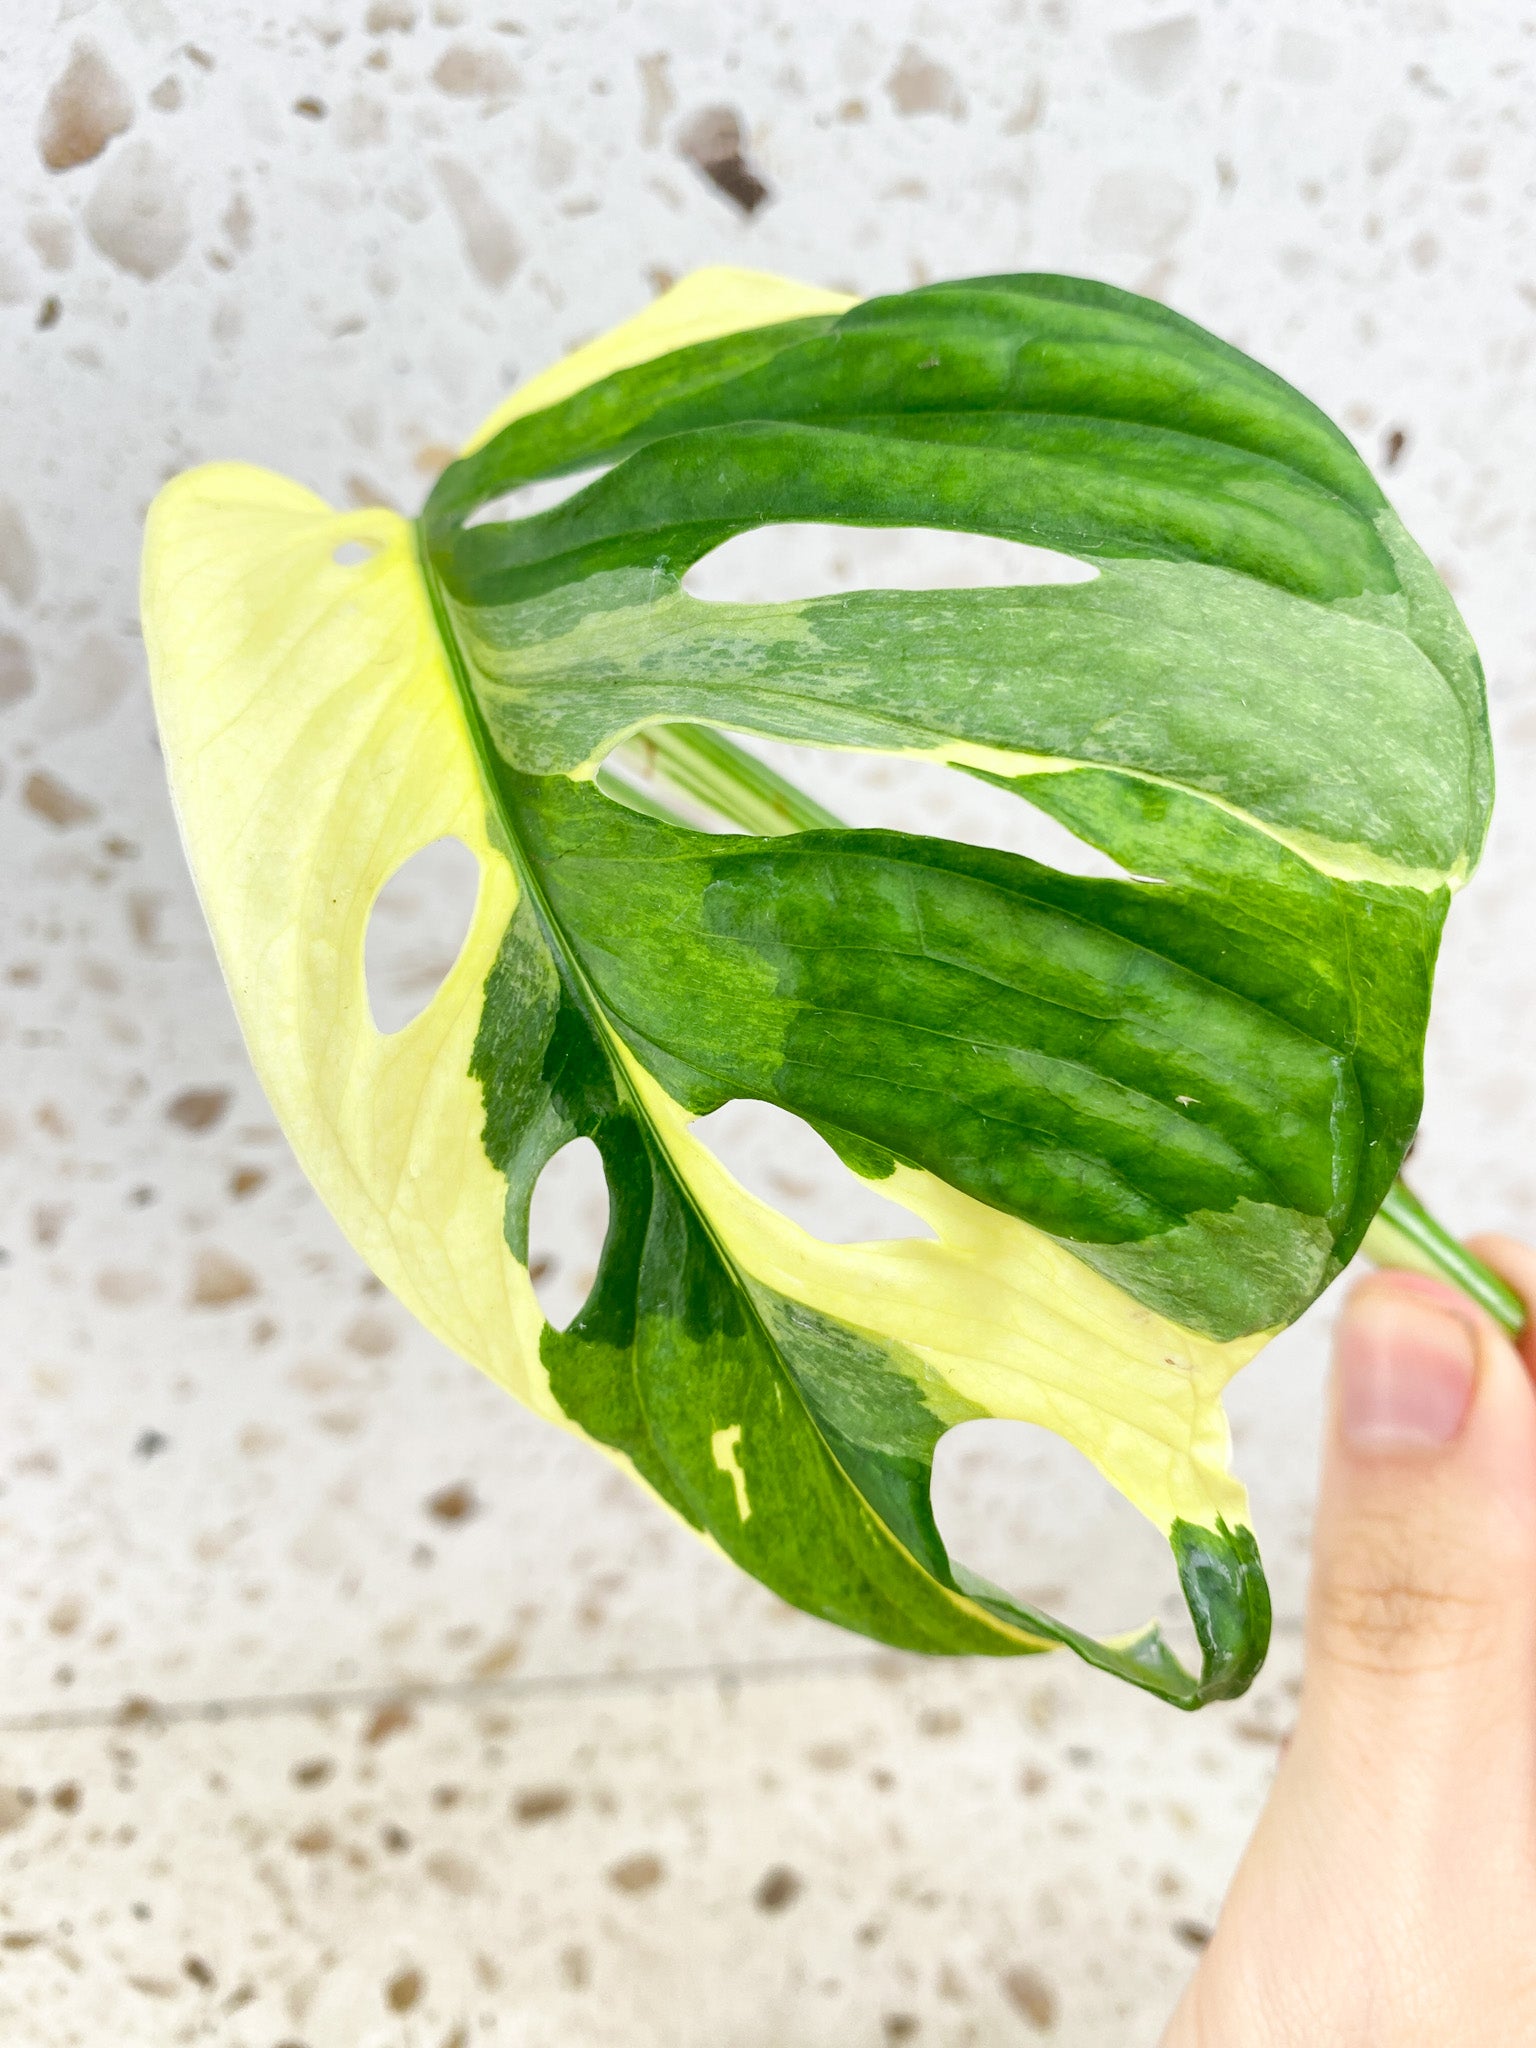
column 1025, row 1509
column 350, row 553
column 786, row 1163
column 804, row 559
column 542, row 496
column 416, row 930
column 567, row 1223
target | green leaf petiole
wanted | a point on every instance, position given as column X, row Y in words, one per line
column 1406, row 1236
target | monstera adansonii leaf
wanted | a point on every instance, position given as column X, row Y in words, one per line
column 1146, row 1118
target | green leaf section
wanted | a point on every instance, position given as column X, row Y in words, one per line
column 1207, row 679
column 1200, row 1079
column 1163, row 1078
column 677, row 1358
column 1030, row 345
column 1247, row 557
column 1350, row 965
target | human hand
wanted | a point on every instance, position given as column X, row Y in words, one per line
column 1389, row 1892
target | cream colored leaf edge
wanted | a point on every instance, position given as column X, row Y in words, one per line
column 315, row 742
column 703, row 306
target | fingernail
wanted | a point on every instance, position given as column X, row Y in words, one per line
column 1405, row 1372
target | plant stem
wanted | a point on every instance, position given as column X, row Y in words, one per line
column 711, row 770
column 703, row 765
column 1404, row 1234
column 634, row 796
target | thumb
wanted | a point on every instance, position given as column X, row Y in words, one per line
column 1422, row 1624
column 1387, row 1892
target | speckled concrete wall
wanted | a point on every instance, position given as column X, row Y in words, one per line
column 340, row 1703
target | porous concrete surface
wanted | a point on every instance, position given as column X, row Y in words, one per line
column 340, row 1702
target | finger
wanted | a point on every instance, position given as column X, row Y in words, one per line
column 1376, row 1898
column 1516, row 1263
column 1422, row 1629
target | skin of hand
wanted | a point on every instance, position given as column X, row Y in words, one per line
column 1388, row 1895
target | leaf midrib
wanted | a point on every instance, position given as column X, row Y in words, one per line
column 1183, row 1690
column 528, row 874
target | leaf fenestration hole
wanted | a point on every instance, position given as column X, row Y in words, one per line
column 901, row 793
column 1027, row 1510
column 567, row 1222
column 542, row 496
column 895, row 793
column 784, row 1162
column 804, row 559
column 416, row 930
column 349, row 553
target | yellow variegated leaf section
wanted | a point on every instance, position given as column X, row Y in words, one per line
column 314, row 744
column 1010, row 1321
column 703, row 306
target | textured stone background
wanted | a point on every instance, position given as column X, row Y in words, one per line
column 340, row 1703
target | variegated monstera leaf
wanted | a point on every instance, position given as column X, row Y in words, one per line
column 1147, row 1119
